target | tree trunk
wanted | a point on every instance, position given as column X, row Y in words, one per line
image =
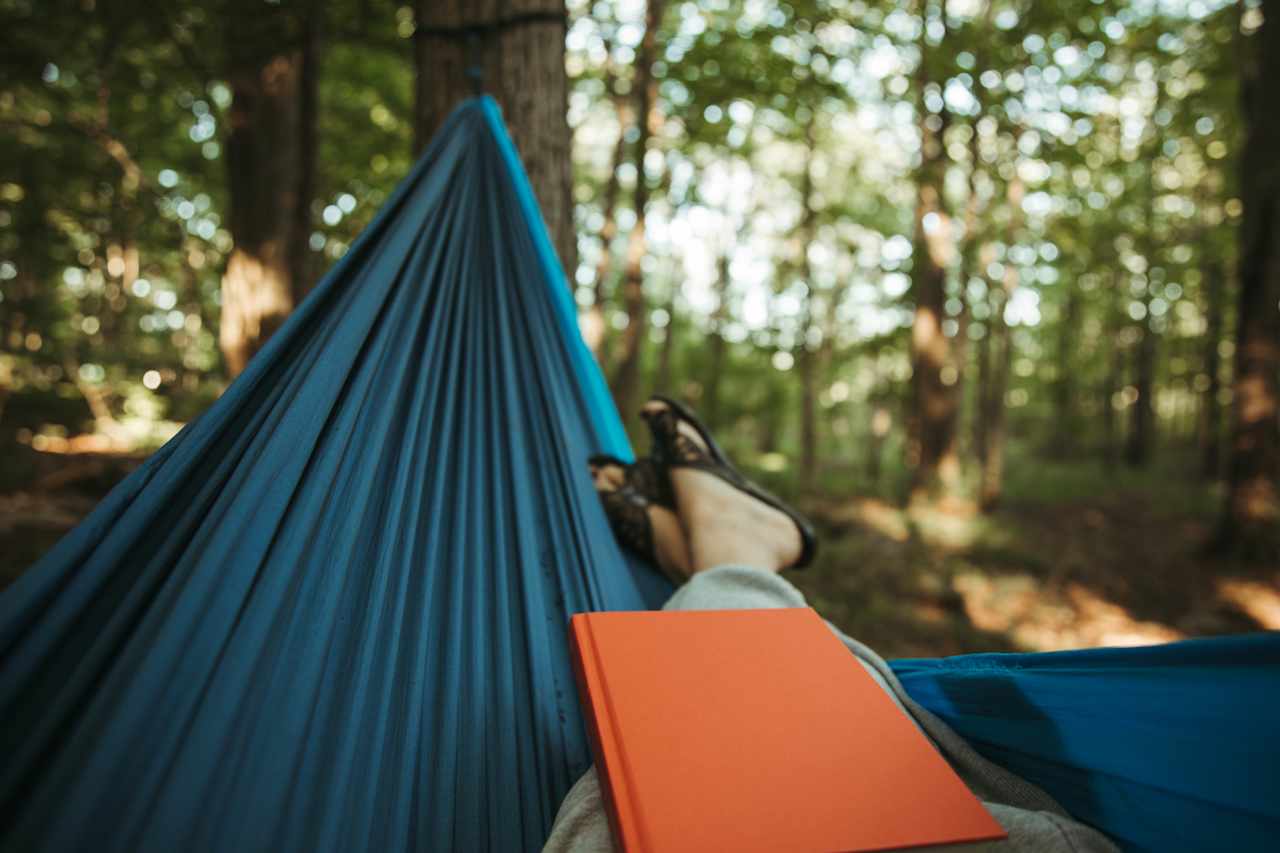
column 519, row 45
column 1251, row 517
column 1064, row 423
column 716, row 345
column 1111, row 384
column 991, row 482
column 981, row 408
column 626, row 380
column 931, row 446
column 263, row 151
column 1142, row 423
column 1210, row 421
column 302, row 268
column 973, row 259
column 878, row 424
column 806, row 358
column 662, row 376
column 594, row 322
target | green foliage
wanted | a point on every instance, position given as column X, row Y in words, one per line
column 1120, row 123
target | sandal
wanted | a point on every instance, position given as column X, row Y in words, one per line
column 644, row 476
column 673, row 449
column 627, row 507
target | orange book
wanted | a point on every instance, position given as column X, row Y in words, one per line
column 756, row 730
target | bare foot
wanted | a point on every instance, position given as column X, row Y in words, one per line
column 669, row 545
column 725, row 525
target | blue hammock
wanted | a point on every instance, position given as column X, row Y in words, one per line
column 330, row 614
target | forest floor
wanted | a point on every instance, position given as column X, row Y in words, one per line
column 1074, row 557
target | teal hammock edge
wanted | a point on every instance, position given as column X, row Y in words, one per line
column 1173, row 747
column 609, row 424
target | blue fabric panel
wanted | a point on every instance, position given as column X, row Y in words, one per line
column 331, row 613
column 1164, row 748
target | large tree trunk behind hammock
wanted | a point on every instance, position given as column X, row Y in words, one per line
column 1251, row 519
column 271, row 149
column 520, row 47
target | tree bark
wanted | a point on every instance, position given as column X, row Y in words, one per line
column 1251, row 517
column 1112, row 381
column 1210, row 421
column 519, row 45
column 594, row 321
column 716, row 345
column 806, row 358
column 931, row 451
column 1062, row 442
column 980, row 408
column 263, row 171
column 662, row 376
column 595, row 324
column 991, row 482
column 626, row 380
column 1142, row 423
column 302, row 267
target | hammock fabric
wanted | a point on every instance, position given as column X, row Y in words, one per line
column 330, row 615
column 1165, row 748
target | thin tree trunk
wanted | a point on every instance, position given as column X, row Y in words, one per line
column 301, row 267
column 1251, row 517
column 931, row 446
column 969, row 261
column 983, row 391
column 972, row 260
column 520, row 46
column 626, row 380
column 991, row 484
column 595, row 323
column 1142, row 424
column 662, row 376
column 1210, row 421
column 1114, row 377
column 716, row 344
column 992, row 481
column 262, row 155
column 1064, row 422
column 806, row 359
column 878, row 425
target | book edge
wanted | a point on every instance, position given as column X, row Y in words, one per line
column 610, row 763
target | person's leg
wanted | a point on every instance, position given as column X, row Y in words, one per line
column 735, row 588
column 735, row 545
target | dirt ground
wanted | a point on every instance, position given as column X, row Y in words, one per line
column 1114, row 569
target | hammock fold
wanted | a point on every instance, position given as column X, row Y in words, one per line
column 331, row 613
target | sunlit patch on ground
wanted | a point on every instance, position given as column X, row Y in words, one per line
column 129, row 436
column 1261, row 601
column 871, row 513
column 1040, row 619
column 1075, row 569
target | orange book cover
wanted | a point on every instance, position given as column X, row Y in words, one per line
column 756, row 730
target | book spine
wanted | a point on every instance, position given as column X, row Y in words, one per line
column 610, row 767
